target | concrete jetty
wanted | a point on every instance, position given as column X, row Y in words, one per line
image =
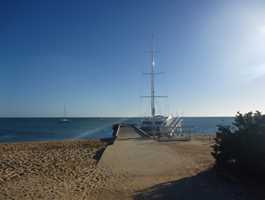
column 126, row 132
column 137, row 166
column 135, row 155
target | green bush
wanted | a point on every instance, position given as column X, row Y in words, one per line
column 241, row 147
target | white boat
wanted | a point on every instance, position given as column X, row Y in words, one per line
column 159, row 125
column 64, row 119
column 152, row 124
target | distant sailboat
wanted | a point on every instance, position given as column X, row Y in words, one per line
column 64, row 119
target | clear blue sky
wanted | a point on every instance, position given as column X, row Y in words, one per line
column 90, row 55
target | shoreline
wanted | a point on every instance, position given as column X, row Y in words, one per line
column 103, row 139
column 107, row 139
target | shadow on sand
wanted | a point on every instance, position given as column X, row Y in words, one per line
column 203, row 186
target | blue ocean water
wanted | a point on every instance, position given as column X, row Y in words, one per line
column 48, row 129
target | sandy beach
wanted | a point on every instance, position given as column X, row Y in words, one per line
column 69, row 169
column 132, row 168
column 49, row 170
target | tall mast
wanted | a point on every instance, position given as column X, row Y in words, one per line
column 64, row 111
column 152, row 81
column 152, row 74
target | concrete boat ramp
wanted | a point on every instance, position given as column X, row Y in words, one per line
column 135, row 155
column 142, row 168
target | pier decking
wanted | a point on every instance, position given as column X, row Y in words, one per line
column 127, row 132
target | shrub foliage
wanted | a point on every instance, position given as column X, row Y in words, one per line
column 241, row 147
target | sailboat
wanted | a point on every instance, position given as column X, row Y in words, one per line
column 159, row 125
column 64, row 119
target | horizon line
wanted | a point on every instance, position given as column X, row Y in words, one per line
column 109, row 116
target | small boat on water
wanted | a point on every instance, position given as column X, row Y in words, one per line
column 64, row 119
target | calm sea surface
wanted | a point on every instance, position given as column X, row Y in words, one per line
column 46, row 129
